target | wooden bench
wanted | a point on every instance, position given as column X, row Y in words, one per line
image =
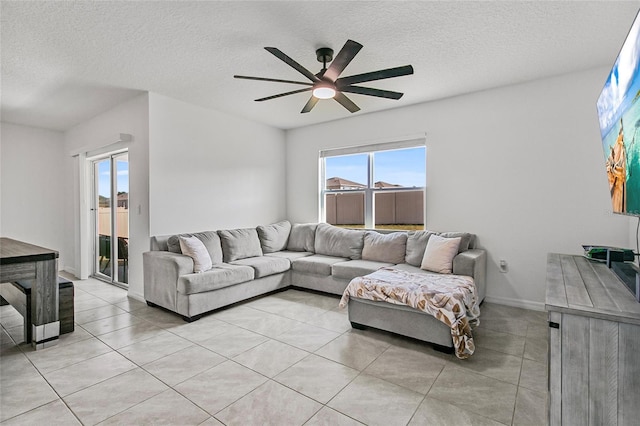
column 18, row 294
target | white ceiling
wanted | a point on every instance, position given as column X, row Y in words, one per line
column 64, row 62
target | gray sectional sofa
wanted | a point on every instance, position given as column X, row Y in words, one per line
column 254, row 261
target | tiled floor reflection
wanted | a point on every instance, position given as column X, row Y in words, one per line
column 290, row 358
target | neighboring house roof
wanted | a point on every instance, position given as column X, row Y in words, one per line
column 382, row 184
column 340, row 183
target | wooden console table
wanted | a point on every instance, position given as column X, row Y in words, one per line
column 594, row 346
column 23, row 261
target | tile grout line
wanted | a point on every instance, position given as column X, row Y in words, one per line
column 427, row 393
column 268, row 338
column 308, row 355
column 60, row 398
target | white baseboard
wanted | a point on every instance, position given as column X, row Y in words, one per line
column 516, row 303
column 70, row 270
column 135, row 295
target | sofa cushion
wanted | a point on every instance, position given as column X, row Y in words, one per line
column 467, row 240
column 210, row 240
column 316, row 264
column 339, row 242
column 291, row 255
column 195, row 249
column 265, row 265
column 416, row 244
column 239, row 244
column 389, row 248
column 173, row 243
column 274, row 237
column 219, row 276
column 302, row 237
column 356, row 268
column 439, row 254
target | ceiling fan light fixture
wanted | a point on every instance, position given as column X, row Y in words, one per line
column 327, row 83
column 324, row 92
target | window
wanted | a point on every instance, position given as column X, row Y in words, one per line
column 377, row 186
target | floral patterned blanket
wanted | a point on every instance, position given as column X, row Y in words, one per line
column 451, row 299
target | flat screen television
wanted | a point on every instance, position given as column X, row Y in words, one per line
column 619, row 114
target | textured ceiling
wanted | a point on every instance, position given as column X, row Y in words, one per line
column 64, row 62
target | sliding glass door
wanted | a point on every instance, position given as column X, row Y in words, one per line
column 111, row 218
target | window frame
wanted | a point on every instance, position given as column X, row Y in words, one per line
column 369, row 190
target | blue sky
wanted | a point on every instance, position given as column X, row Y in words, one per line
column 623, row 81
column 404, row 167
column 104, row 173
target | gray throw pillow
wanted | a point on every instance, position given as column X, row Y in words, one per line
column 274, row 237
column 389, row 248
column 210, row 240
column 173, row 243
column 334, row 241
column 302, row 237
column 239, row 244
column 416, row 244
column 467, row 240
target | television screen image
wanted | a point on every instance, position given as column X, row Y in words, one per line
column 619, row 113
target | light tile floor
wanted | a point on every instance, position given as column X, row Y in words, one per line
column 290, row 358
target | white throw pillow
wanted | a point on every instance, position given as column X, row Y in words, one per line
column 438, row 257
column 195, row 249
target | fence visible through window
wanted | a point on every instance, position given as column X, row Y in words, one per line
column 378, row 189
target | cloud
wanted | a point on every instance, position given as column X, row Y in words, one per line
column 620, row 80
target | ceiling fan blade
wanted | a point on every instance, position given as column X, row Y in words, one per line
column 342, row 59
column 284, row 94
column 310, row 104
column 375, row 75
column 276, row 80
column 346, row 102
column 372, row 92
column 286, row 59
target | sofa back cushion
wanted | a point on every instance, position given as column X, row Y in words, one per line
column 159, row 242
column 416, row 244
column 274, row 237
column 239, row 244
column 334, row 241
column 389, row 248
column 210, row 240
column 467, row 240
column 302, row 237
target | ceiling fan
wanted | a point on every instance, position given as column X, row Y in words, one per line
column 326, row 84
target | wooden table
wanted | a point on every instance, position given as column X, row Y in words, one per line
column 23, row 261
column 594, row 344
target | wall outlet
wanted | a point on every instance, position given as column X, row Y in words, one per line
column 502, row 266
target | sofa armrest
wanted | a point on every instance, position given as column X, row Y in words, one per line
column 473, row 263
column 161, row 272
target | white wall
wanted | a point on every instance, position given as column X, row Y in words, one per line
column 521, row 166
column 34, row 193
column 210, row 170
column 130, row 117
